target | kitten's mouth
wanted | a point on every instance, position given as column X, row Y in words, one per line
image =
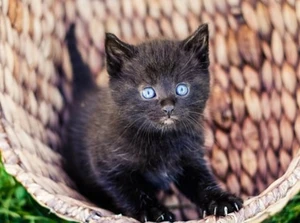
column 168, row 121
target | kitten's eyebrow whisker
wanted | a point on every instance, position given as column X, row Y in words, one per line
column 191, row 71
column 187, row 63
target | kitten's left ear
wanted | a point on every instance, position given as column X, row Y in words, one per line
column 198, row 43
column 116, row 53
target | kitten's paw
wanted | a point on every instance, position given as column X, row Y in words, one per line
column 157, row 215
column 224, row 205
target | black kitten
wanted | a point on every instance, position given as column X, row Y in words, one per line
column 144, row 131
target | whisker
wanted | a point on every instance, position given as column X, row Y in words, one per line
column 126, row 128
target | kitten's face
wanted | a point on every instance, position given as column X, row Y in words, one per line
column 160, row 85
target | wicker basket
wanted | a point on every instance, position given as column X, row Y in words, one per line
column 253, row 122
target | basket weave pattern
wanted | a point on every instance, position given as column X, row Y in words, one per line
column 253, row 122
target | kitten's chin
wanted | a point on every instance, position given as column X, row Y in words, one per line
column 168, row 123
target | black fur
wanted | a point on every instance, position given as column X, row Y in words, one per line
column 121, row 151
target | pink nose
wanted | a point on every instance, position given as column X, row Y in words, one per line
column 168, row 109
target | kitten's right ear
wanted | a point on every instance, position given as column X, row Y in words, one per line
column 198, row 43
column 116, row 53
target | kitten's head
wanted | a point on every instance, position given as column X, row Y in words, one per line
column 161, row 84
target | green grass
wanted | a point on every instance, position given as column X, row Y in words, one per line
column 290, row 213
column 17, row 206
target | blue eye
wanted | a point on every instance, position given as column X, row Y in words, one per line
column 182, row 89
column 148, row 93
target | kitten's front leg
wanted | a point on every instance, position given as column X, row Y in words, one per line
column 137, row 198
column 199, row 185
